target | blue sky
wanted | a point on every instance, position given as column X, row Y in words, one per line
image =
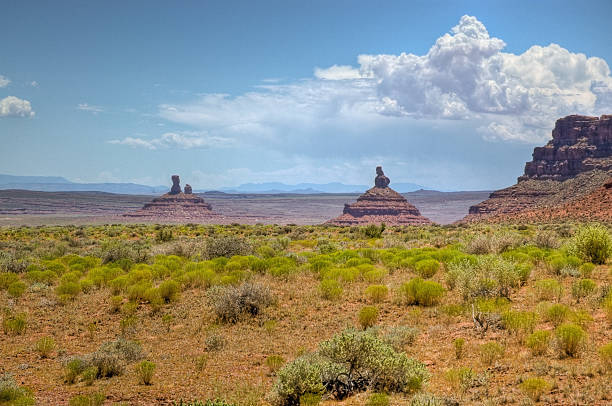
column 226, row 92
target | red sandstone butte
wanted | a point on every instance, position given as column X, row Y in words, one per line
column 175, row 206
column 564, row 180
column 380, row 204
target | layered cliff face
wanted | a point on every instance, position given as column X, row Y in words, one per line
column 175, row 205
column 380, row 204
column 579, row 144
column 564, row 172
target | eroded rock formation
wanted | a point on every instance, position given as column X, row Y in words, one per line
column 176, row 185
column 563, row 174
column 175, row 206
column 579, row 144
column 380, row 204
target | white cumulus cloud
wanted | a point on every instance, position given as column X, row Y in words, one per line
column 465, row 76
column 12, row 106
column 337, row 72
column 174, row 140
column 4, row 81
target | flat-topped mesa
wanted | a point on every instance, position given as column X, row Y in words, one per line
column 175, row 206
column 579, row 144
column 380, row 204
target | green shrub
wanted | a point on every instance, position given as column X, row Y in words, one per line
column 14, row 324
column 95, row 399
column 605, row 353
column 362, row 354
column 535, row 388
column 145, row 371
column 570, row 339
column 89, row 375
column 7, row 278
column 491, row 352
column 421, row 292
column 233, row 303
column 349, row 362
column 13, row 394
column 548, row 289
column 592, row 244
column 458, row 345
column 373, row 231
column 169, row 290
column 377, row 293
column 86, row 285
column 296, row 379
column 16, row 289
column 586, row 269
column 375, row 275
column 45, row 346
column 557, row 313
column 583, row 288
column 73, row 368
column 368, row 315
column 519, row 322
column 487, row 276
column 378, row 399
column 538, row 342
column 426, row 268
column 330, row 289
column 68, row 289
column 581, row 318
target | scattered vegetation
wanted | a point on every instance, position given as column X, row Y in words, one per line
column 205, row 299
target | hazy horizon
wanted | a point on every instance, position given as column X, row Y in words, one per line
column 452, row 96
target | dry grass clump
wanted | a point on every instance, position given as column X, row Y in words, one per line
column 233, row 303
column 109, row 360
column 45, row 346
column 145, row 371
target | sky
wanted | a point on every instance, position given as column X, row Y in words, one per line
column 452, row 95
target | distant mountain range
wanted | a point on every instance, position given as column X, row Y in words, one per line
column 60, row 184
column 309, row 188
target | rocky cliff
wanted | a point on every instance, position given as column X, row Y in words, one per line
column 579, row 144
column 564, row 172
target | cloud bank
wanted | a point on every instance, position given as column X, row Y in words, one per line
column 174, row 140
column 464, row 76
column 12, row 106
